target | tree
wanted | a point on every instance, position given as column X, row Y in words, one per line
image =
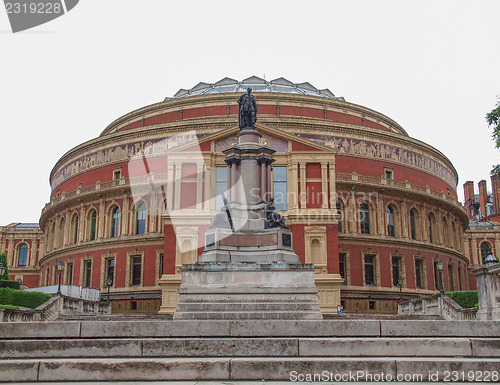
column 3, row 259
column 493, row 119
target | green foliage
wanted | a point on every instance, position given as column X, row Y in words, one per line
column 3, row 258
column 495, row 170
column 466, row 299
column 13, row 307
column 29, row 299
column 493, row 119
column 11, row 284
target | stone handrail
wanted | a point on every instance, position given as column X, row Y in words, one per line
column 58, row 305
column 438, row 305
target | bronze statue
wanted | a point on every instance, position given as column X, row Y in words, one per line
column 273, row 219
column 247, row 112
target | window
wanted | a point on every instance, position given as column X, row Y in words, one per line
column 88, row 274
column 279, row 188
column 389, row 173
column 431, row 225
column 160, row 270
column 364, row 218
column 371, row 305
column 136, row 270
column 370, row 269
column 436, row 277
column 451, row 278
column 413, row 224
column 391, row 231
column 110, row 270
column 141, row 219
column 342, row 265
column 117, row 174
column 419, row 274
column 396, row 269
column 69, row 274
column 93, row 223
column 74, row 229
column 485, row 250
column 22, row 257
column 340, row 212
column 115, row 221
column 220, row 186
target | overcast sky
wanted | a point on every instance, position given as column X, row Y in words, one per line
column 432, row 66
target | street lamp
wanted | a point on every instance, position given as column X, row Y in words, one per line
column 400, row 284
column 109, row 283
column 60, row 268
column 2, row 270
column 439, row 266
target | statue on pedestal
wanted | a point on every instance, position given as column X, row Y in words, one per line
column 247, row 112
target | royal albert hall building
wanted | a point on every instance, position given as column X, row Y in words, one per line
column 370, row 206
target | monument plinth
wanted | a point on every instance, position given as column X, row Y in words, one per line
column 248, row 269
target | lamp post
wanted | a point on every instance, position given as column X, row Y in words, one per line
column 400, row 284
column 109, row 283
column 60, row 268
column 2, row 270
column 439, row 266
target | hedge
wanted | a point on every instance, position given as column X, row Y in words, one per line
column 13, row 307
column 466, row 299
column 30, row 299
column 11, row 284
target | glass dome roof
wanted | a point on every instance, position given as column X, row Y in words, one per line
column 257, row 84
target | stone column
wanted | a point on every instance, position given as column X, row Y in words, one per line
column 263, row 180
column 292, row 186
column 229, row 181
column 269, row 187
column 209, row 193
column 199, row 185
column 333, row 191
column 170, row 187
column 324, row 185
column 178, row 181
column 234, row 183
column 100, row 220
column 404, row 222
column 302, row 195
column 127, row 219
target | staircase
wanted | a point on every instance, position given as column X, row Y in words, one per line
column 159, row 349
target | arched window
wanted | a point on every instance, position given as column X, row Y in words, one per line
column 115, row 222
column 141, row 219
column 22, row 255
column 446, row 238
column 74, row 229
column 61, row 234
column 413, row 224
column 391, row 228
column 364, row 218
column 340, row 211
column 92, row 225
column 485, row 250
column 431, row 227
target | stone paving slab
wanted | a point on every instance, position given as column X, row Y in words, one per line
column 226, row 347
column 441, row 328
column 56, row 329
column 154, row 369
column 311, row 328
column 376, row 347
column 131, row 329
column 486, row 347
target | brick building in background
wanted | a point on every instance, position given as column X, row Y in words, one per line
column 367, row 204
column 482, row 237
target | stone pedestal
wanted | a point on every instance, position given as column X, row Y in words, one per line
column 235, row 291
column 248, row 269
column 488, row 291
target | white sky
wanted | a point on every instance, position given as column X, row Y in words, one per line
column 432, row 66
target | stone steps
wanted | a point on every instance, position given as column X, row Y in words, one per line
column 164, row 350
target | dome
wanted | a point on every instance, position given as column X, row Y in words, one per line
column 257, row 84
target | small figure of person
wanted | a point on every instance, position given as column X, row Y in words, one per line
column 247, row 111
